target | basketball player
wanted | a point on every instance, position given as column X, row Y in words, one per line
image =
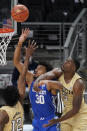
column 74, row 116
column 11, row 110
column 42, row 102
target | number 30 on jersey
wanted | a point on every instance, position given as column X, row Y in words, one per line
column 40, row 99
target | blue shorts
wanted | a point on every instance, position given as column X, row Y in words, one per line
column 38, row 125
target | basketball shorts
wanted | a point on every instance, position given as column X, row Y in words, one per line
column 38, row 125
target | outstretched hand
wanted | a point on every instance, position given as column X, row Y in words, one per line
column 51, row 122
column 24, row 35
column 31, row 48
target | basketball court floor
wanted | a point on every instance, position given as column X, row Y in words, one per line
column 27, row 127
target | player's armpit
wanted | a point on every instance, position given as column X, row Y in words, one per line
column 3, row 119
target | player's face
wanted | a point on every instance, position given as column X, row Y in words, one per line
column 40, row 70
column 68, row 65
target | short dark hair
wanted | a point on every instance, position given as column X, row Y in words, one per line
column 10, row 94
column 76, row 62
column 48, row 66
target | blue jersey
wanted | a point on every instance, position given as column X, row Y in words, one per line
column 42, row 102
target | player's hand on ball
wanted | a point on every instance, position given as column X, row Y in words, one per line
column 24, row 35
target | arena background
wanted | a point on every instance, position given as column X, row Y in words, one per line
column 60, row 29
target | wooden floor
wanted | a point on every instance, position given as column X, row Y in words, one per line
column 27, row 127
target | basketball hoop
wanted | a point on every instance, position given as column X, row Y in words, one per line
column 5, row 37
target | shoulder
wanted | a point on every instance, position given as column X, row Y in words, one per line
column 79, row 85
column 80, row 82
column 4, row 118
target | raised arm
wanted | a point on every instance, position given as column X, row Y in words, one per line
column 22, row 77
column 17, row 53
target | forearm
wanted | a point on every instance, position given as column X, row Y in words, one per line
column 42, row 77
column 68, row 115
column 54, row 85
column 57, row 86
column 17, row 53
column 25, row 67
column 46, row 76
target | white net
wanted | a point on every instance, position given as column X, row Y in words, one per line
column 4, row 41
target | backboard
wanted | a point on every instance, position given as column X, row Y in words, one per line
column 5, row 13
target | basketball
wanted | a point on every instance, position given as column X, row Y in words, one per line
column 20, row 13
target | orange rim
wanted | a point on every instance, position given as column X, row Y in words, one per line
column 6, row 30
